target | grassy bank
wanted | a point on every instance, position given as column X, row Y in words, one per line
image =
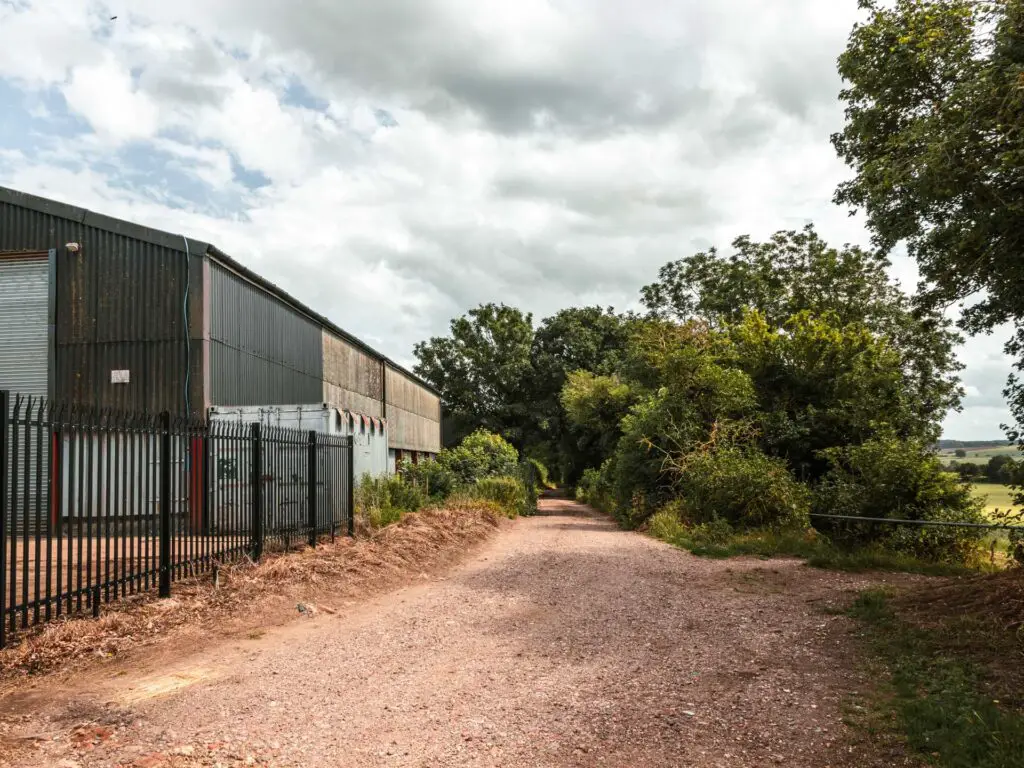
column 951, row 678
column 722, row 542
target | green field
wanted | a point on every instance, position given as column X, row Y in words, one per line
column 996, row 496
column 978, row 455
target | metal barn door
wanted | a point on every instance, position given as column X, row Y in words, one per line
column 24, row 332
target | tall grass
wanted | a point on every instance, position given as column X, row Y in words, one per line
column 719, row 540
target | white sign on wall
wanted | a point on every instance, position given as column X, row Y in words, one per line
column 120, row 377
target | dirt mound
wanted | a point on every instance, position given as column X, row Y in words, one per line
column 280, row 588
column 998, row 597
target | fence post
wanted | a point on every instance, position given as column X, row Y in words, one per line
column 257, row 492
column 5, row 441
column 165, row 504
column 351, row 472
column 311, row 481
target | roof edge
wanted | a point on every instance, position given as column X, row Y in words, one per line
column 261, row 282
column 179, row 242
column 87, row 218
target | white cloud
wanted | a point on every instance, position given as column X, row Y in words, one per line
column 545, row 154
column 105, row 96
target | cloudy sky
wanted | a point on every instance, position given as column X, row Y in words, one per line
column 394, row 162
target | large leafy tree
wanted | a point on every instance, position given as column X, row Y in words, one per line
column 935, row 134
column 482, row 370
column 797, row 272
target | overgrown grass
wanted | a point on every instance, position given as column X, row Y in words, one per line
column 721, row 541
column 381, row 501
column 941, row 700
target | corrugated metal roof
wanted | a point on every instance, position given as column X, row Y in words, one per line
column 175, row 242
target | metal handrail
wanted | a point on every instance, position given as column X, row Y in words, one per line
column 947, row 523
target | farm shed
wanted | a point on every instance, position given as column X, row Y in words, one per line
column 107, row 313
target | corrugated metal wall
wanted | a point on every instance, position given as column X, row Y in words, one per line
column 119, row 305
column 352, row 378
column 414, row 414
column 24, row 338
column 261, row 351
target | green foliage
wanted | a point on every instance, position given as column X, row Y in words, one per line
column 797, row 273
column 595, row 489
column 541, row 478
column 824, row 384
column 381, row 501
column 509, row 493
column 1001, row 469
column 482, row 370
column 481, row 454
column 575, row 339
column 888, row 477
column 934, row 109
column 719, row 540
column 935, row 105
column 937, row 695
column 433, row 478
column 740, row 486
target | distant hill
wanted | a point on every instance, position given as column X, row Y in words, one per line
column 947, row 445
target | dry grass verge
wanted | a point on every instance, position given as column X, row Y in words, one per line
column 248, row 596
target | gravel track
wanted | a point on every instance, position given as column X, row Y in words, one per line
column 562, row 642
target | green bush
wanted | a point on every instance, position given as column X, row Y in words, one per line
column 540, row 473
column 528, row 477
column 433, row 478
column 381, row 501
column 508, row 492
column 595, row 488
column 745, row 488
column 888, row 477
column 482, row 454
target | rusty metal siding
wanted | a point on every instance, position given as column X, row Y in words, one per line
column 352, row 378
column 119, row 305
column 261, row 351
column 414, row 414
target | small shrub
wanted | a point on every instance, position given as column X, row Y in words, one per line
column 432, row 477
column 666, row 525
column 529, row 479
column 482, row 454
column 382, row 501
column 508, row 492
column 541, row 474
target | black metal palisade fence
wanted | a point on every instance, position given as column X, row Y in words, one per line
column 97, row 505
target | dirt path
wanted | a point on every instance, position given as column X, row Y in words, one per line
column 563, row 642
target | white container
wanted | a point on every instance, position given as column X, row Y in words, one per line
column 369, row 436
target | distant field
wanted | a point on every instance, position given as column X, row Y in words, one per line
column 996, row 496
column 978, row 455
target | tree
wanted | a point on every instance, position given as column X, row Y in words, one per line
column 798, row 272
column 1001, row 468
column 935, row 135
column 822, row 384
column 961, row 453
column 482, row 370
column 588, row 339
